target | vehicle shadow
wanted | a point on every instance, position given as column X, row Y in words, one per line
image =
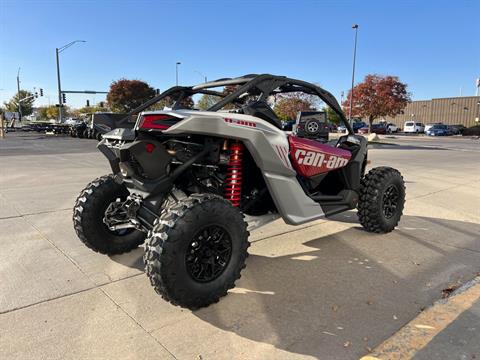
column 132, row 259
column 349, row 291
column 336, row 296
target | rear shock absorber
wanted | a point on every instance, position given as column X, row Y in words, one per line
column 233, row 183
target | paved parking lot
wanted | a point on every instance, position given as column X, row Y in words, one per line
column 324, row 290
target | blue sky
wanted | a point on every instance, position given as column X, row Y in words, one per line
column 433, row 46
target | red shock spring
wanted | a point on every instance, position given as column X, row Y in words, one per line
column 233, row 183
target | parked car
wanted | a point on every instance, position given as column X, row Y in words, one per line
column 391, row 128
column 341, row 128
column 413, row 127
column 376, row 128
column 457, row 129
column 358, row 125
column 439, row 130
column 429, row 126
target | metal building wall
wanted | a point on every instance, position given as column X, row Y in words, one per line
column 450, row 111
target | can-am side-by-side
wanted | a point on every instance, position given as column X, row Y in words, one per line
column 191, row 184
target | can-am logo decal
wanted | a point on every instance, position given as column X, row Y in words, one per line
column 318, row 159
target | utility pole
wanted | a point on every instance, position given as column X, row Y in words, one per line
column 355, row 26
column 478, row 85
column 18, row 92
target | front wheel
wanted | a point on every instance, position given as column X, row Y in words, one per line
column 196, row 251
column 382, row 198
column 89, row 212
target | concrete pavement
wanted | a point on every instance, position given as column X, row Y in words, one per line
column 324, row 290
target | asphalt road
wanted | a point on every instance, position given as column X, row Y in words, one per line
column 324, row 290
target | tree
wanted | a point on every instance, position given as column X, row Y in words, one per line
column 206, row 101
column 125, row 95
column 51, row 112
column 377, row 96
column 291, row 103
column 332, row 116
column 168, row 102
column 88, row 110
column 26, row 106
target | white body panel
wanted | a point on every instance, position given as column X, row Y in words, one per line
column 268, row 146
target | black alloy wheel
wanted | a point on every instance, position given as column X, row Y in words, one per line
column 209, row 253
column 390, row 201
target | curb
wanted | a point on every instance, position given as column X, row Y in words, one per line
column 420, row 331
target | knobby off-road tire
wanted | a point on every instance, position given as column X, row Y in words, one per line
column 88, row 215
column 382, row 197
column 178, row 249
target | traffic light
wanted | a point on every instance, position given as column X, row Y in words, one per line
column 101, row 104
column 64, row 98
column 41, row 92
column 88, row 103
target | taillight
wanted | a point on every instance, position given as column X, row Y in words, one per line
column 158, row 121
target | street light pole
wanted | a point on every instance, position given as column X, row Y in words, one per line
column 202, row 75
column 59, row 88
column 18, row 92
column 58, row 51
column 355, row 26
column 176, row 71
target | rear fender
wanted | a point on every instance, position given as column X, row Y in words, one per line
column 269, row 148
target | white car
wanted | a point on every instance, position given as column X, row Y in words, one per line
column 413, row 127
column 391, row 128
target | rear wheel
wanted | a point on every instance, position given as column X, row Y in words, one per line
column 89, row 212
column 382, row 198
column 196, row 251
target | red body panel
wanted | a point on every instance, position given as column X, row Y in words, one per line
column 309, row 157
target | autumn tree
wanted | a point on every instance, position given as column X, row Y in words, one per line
column 26, row 106
column 51, row 112
column 169, row 101
column 206, row 101
column 377, row 96
column 290, row 104
column 89, row 110
column 125, row 95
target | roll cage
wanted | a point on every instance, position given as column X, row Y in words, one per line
column 263, row 86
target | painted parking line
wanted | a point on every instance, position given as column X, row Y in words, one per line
column 420, row 331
